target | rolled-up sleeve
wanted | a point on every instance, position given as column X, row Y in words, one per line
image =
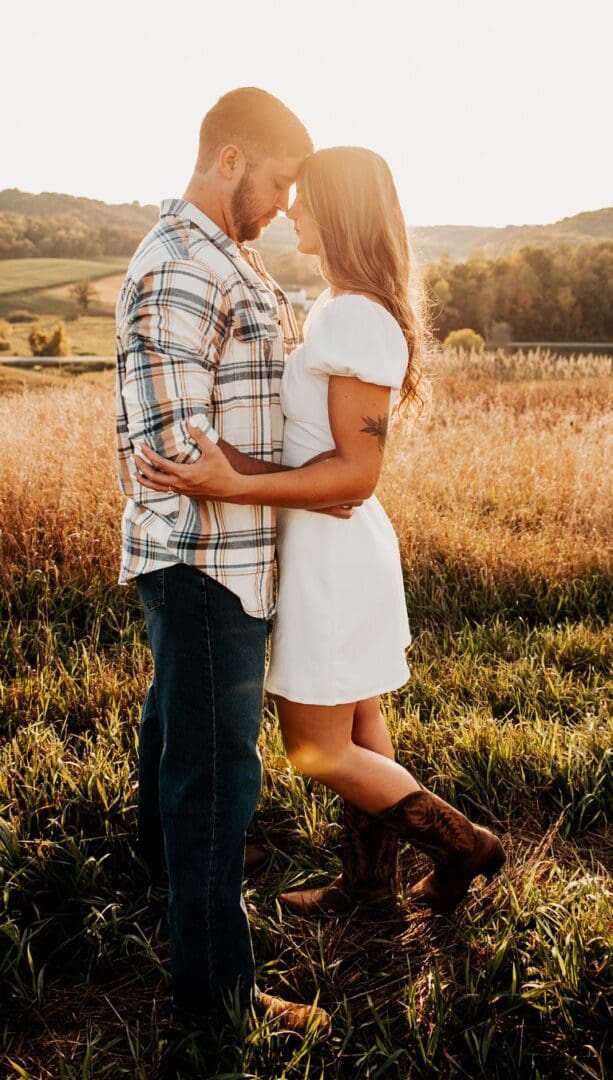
column 175, row 329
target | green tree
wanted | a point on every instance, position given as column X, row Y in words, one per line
column 466, row 339
column 559, row 294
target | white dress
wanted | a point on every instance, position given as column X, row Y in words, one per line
column 341, row 627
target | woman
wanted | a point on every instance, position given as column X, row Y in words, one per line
column 341, row 629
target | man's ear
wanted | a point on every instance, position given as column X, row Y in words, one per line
column 230, row 160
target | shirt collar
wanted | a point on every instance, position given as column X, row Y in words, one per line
column 186, row 211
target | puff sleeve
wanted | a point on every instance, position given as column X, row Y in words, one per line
column 355, row 336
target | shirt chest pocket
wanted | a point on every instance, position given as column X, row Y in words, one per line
column 253, row 324
column 254, row 353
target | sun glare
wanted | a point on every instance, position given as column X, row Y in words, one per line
column 470, row 104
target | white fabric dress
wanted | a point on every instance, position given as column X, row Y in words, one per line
column 341, row 627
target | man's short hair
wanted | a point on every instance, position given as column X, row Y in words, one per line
column 257, row 122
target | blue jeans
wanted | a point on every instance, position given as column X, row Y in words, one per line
column 200, row 777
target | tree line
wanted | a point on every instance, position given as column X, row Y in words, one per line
column 535, row 294
column 562, row 293
column 24, row 237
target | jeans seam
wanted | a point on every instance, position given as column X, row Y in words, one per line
column 209, row 657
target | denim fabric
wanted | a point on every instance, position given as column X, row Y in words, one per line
column 200, row 776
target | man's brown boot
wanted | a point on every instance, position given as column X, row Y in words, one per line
column 369, row 856
column 293, row 1016
column 459, row 850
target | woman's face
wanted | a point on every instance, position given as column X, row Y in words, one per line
column 304, row 227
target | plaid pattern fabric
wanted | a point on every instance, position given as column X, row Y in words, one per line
column 202, row 331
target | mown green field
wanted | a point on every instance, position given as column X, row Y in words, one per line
column 503, row 511
column 32, row 284
column 21, row 275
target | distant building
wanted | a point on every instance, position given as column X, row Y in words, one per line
column 298, row 297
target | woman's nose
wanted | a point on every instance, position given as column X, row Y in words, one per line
column 291, row 211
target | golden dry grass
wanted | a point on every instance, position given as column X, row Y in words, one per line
column 509, row 476
column 59, row 503
column 512, row 477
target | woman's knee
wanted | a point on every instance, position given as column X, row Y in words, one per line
column 319, row 762
column 307, row 758
column 316, row 738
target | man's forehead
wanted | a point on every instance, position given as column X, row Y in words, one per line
column 284, row 168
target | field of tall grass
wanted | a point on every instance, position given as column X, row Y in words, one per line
column 502, row 505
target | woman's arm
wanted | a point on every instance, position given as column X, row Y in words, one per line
column 247, row 465
column 358, row 413
column 252, row 466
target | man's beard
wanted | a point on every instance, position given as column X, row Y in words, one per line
column 247, row 222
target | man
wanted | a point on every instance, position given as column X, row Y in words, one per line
column 202, row 331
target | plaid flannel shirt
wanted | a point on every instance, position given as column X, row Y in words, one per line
column 202, row 331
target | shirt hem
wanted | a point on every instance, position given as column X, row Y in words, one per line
column 258, row 613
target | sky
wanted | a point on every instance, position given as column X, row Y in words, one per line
column 488, row 113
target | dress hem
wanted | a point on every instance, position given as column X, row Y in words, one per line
column 362, row 696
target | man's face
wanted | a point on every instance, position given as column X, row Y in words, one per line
column 261, row 192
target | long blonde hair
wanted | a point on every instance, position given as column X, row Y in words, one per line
column 350, row 194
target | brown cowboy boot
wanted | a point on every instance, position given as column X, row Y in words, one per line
column 459, row 850
column 369, row 856
column 295, row 1017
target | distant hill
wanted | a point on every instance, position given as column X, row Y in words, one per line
column 88, row 211
column 58, row 226
column 66, row 226
column 460, row 241
column 431, row 242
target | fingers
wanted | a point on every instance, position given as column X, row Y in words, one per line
column 161, row 464
column 145, row 469
column 153, row 485
column 147, row 478
column 161, row 474
column 198, row 436
column 208, row 447
column 152, row 478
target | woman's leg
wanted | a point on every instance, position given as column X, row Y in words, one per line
column 369, row 727
column 318, row 741
column 369, row 852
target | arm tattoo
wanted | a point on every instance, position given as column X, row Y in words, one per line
column 377, row 427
